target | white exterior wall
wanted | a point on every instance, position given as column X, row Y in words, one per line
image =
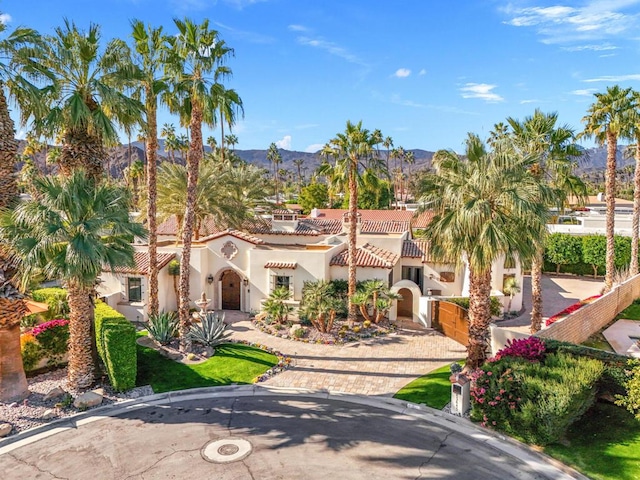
column 447, row 289
column 497, row 275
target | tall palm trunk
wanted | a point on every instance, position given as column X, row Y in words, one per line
column 479, row 317
column 13, row 382
column 536, row 293
column 353, row 218
column 80, row 149
column 82, row 361
column 221, row 137
column 8, row 154
column 610, row 191
column 193, row 163
column 633, row 267
column 152, row 192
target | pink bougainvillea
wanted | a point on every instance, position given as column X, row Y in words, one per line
column 43, row 327
column 531, row 349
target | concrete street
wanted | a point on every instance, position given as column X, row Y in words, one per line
column 290, row 436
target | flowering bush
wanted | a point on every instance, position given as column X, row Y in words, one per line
column 534, row 401
column 531, row 349
column 570, row 309
column 53, row 337
column 31, row 351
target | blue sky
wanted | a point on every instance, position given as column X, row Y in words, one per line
column 424, row 72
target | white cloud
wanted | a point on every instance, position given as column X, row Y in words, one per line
column 533, row 100
column 595, row 48
column 297, row 28
column 240, row 4
column 5, row 18
column 593, row 20
column 314, row 147
column 402, row 73
column 285, row 143
column 584, row 92
column 422, row 72
column 252, row 37
column 614, row 78
column 332, row 48
column 482, row 91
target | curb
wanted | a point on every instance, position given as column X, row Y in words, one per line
column 537, row 461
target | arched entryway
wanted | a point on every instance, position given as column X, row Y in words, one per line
column 230, row 283
column 405, row 306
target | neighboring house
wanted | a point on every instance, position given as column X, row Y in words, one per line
column 238, row 270
column 591, row 218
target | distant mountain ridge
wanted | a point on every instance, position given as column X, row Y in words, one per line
column 120, row 157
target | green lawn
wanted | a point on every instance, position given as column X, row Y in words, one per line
column 632, row 312
column 604, row 444
column 232, row 363
column 432, row 389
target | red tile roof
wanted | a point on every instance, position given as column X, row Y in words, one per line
column 291, row 265
column 170, row 227
column 234, row 233
column 374, row 215
column 141, row 266
column 367, row 256
column 389, row 226
column 423, row 219
column 416, row 249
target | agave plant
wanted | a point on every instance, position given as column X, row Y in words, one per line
column 210, row 331
column 162, row 327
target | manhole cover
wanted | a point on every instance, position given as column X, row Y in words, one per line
column 226, row 450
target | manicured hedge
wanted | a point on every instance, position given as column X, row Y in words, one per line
column 614, row 376
column 116, row 342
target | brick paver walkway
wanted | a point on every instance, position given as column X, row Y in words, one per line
column 379, row 366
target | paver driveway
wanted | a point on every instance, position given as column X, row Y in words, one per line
column 379, row 366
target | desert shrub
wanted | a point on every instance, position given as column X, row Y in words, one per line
column 210, row 331
column 299, row 332
column 53, row 337
column 116, row 342
column 495, row 308
column 631, row 399
column 531, row 349
column 162, row 327
column 55, row 298
column 616, row 367
column 31, row 351
column 275, row 305
column 534, row 401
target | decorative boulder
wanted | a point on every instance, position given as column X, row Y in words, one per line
column 87, row 400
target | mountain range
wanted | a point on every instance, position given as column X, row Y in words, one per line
column 121, row 156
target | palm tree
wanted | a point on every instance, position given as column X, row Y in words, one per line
column 232, row 140
column 13, row 382
column 486, row 205
column 375, row 294
column 212, row 142
column 350, row 149
column 150, row 53
column 607, row 119
column 274, row 157
column 511, row 287
column 76, row 228
column 197, row 53
column 228, row 103
column 85, row 98
column 14, row 47
column 319, row 304
column 553, row 152
column 635, row 224
column 298, row 164
column 168, row 132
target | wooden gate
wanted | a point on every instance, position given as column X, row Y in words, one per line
column 452, row 320
column 230, row 290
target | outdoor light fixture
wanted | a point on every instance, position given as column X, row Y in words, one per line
column 210, row 279
column 245, row 281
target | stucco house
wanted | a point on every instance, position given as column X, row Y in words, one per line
column 237, row 270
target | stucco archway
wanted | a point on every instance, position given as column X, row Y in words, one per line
column 230, row 290
column 414, row 307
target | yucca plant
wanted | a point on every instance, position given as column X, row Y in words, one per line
column 210, row 331
column 162, row 327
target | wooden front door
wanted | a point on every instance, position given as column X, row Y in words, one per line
column 405, row 306
column 452, row 320
column 230, row 290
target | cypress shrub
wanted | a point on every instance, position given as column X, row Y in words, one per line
column 116, row 342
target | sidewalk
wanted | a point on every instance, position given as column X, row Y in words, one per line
column 378, row 366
